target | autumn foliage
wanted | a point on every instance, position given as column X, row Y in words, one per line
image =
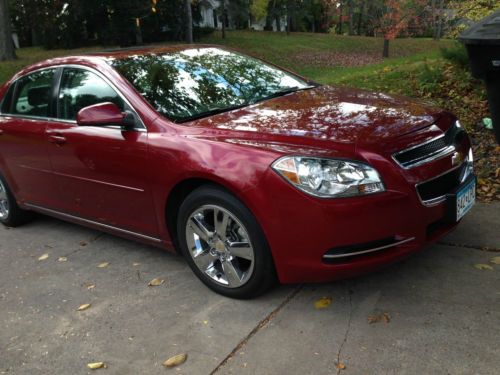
column 401, row 15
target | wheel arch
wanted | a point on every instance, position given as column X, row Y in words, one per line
column 179, row 193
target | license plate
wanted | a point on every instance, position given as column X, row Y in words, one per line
column 466, row 197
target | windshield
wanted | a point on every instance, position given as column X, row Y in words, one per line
column 198, row 82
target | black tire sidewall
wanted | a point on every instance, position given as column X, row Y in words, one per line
column 264, row 274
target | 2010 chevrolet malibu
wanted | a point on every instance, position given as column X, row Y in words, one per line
column 252, row 172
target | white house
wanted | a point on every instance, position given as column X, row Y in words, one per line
column 209, row 11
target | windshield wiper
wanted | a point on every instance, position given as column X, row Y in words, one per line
column 210, row 112
column 283, row 92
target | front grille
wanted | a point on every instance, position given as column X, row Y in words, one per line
column 430, row 150
column 441, row 185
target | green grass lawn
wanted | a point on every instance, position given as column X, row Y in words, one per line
column 325, row 58
column 333, row 59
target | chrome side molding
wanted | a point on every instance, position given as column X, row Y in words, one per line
column 63, row 215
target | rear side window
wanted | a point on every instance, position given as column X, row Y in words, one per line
column 31, row 95
column 81, row 88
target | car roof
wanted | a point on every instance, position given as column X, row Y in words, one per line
column 123, row 53
column 95, row 59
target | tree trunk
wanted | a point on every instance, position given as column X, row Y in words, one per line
column 339, row 27
column 138, row 32
column 189, row 21
column 440, row 20
column 386, row 48
column 224, row 18
column 433, row 11
column 288, row 20
column 7, row 51
column 361, row 14
column 278, row 23
column 351, row 17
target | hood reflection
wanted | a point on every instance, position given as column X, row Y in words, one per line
column 329, row 113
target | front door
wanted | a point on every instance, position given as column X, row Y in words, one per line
column 102, row 171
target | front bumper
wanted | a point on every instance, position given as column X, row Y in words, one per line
column 375, row 230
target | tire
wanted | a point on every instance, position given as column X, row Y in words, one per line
column 229, row 254
column 11, row 215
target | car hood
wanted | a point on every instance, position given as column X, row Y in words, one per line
column 331, row 114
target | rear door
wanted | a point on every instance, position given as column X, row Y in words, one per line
column 25, row 115
column 102, row 171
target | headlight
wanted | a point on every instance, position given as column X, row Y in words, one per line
column 329, row 178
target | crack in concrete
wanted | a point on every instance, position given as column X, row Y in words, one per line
column 347, row 331
column 91, row 241
column 264, row 322
column 475, row 247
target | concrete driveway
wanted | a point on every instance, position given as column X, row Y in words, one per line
column 434, row 313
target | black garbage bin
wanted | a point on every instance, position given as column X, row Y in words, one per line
column 483, row 46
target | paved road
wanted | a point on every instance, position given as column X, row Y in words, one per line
column 443, row 314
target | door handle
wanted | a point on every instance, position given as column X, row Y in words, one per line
column 57, row 139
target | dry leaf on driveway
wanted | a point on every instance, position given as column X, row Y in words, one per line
column 175, row 360
column 136, row 264
column 43, row 257
column 83, row 243
column 62, row 259
column 323, row 303
column 83, row 307
column 495, row 260
column 103, row 265
column 96, row 365
column 340, row 366
column 480, row 266
column 90, row 286
column 156, row 282
column 383, row 317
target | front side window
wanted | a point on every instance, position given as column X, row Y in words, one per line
column 82, row 88
column 201, row 81
column 31, row 95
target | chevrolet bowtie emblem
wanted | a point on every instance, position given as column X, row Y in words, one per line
column 457, row 159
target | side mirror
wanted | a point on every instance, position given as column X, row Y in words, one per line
column 105, row 114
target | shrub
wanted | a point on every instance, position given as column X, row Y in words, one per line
column 456, row 54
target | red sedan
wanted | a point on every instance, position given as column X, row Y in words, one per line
column 253, row 173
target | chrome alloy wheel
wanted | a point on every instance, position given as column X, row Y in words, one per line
column 220, row 246
column 4, row 201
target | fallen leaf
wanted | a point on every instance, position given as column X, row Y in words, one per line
column 83, row 307
column 103, row 265
column 62, row 259
column 383, row 317
column 90, row 286
column 43, row 257
column 156, row 282
column 175, row 360
column 495, row 260
column 136, row 264
column 96, row 365
column 323, row 303
column 83, row 243
column 480, row 266
column 340, row 366
column 205, row 322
